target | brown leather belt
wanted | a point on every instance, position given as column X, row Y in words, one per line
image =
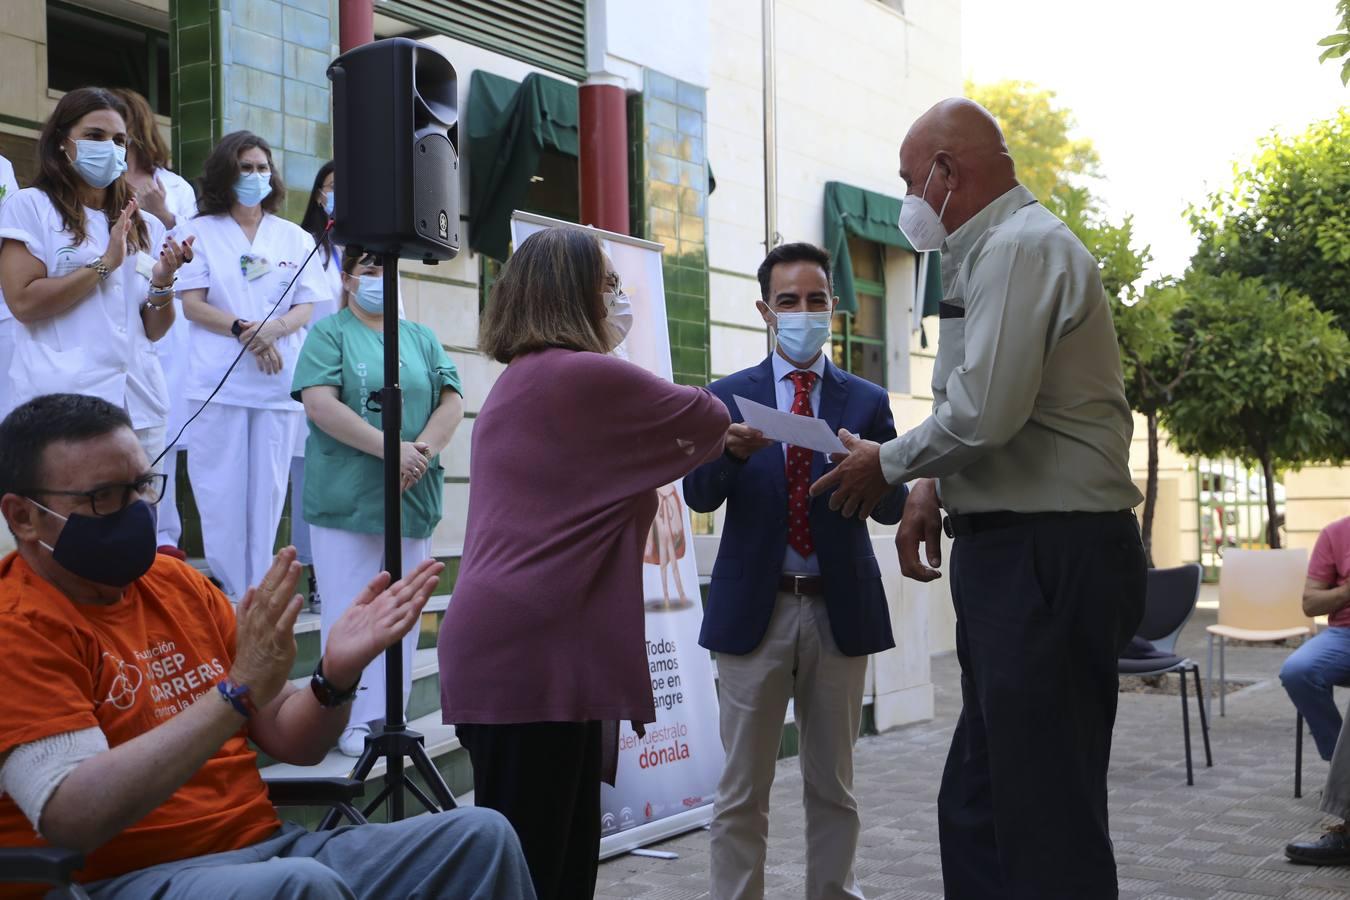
column 801, row 584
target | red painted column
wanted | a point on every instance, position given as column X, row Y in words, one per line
column 604, row 157
column 356, row 23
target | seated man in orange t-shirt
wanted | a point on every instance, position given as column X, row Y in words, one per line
column 131, row 687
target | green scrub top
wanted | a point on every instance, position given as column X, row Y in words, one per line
column 344, row 487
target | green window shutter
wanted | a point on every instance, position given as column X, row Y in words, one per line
column 550, row 34
column 511, row 125
column 875, row 217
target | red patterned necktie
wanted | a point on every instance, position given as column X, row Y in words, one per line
column 799, row 472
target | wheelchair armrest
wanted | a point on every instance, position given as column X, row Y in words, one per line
column 39, row 865
column 313, row 791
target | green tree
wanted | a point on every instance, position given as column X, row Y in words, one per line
column 1338, row 43
column 1286, row 220
column 1051, row 162
column 1262, row 357
column 1156, row 356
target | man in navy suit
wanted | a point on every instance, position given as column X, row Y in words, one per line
column 796, row 602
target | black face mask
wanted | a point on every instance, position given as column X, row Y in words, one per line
column 114, row 550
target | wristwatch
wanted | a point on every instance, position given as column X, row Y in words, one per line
column 327, row 693
column 237, row 327
column 99, row 266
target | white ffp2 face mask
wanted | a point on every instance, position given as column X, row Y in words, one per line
column 921, row 226
column 618, row 316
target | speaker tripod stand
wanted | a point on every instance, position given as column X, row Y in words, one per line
column 395, row 743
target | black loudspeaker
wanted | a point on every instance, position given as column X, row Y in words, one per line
column 396, row 149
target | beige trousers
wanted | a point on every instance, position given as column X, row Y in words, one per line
column 798, row 661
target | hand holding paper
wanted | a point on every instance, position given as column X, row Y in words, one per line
column 800, row 431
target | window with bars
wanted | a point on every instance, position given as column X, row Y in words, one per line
column 859, row 342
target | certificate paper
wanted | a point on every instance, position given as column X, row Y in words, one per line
column 789, row 428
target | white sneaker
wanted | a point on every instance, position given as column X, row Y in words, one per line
column 353, row 740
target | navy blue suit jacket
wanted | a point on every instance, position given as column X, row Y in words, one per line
column 754, row 539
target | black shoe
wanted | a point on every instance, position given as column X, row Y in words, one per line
column 1331, row 849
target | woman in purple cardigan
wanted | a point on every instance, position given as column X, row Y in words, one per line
column 543, row 643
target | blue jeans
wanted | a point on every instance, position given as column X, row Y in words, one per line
column 464, row 853
column 1308, row 676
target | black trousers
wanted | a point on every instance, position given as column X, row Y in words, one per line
column 545, row 778
column 1043, row 610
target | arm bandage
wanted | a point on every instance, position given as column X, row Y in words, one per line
column 34, row 771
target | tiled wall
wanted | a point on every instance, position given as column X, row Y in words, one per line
column 669, row 170
column 257, row 65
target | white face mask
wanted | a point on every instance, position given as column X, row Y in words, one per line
column 921, row 226
column 618, row 316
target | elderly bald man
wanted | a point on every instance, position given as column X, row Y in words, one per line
column 1027, row 448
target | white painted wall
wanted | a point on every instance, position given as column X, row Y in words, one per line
column 851, row 77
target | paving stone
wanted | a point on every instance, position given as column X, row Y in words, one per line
column 1222, row 839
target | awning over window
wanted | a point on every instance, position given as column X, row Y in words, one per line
column 873, row 217
column 510, row 125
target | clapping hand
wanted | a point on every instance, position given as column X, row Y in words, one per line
column 378, row 618
column 264, row 631
column 116, row 250
column 171, row 258
column 151, row 199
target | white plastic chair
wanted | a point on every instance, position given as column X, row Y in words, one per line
column 1260, row 599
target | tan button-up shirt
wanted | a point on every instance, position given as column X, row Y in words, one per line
column 1029, row 409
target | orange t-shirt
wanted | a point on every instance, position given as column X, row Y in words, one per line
column 124, row 669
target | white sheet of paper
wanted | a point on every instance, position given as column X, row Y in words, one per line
column 800, row 431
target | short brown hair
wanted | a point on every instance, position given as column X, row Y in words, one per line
column 547, row 295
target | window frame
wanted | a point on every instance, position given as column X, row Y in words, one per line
column 149, row 34
column 845, row 338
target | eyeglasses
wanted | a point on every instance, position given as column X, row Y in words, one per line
column 113, row 498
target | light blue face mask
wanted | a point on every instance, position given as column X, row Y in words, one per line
column 370, row 294
column 328, row 204
column 100, row 163
column 801, row 335
column 253, row 188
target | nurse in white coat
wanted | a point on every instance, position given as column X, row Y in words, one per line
column 247, row 262
column 87, row 276
column 170, row 198
column 9, row 186
column 318, row 214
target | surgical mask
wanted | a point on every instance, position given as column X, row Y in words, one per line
column 100, row 163
column 801, row 335
column 618, row 316
column 921, row 226
column 253, row 188
column 114, row 550
column 328, row 204
column 370, row 294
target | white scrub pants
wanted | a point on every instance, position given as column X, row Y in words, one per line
column 7, row 327
column 152, row 442
column 238, row 460
column 344, row 561
column 170, row 528
column 299, row 527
